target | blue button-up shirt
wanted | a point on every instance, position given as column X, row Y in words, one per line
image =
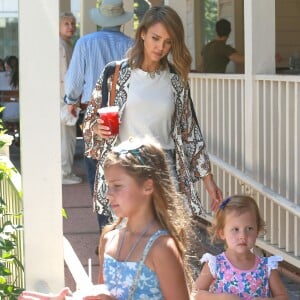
column 91, row 53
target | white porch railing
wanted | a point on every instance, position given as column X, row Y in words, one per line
column 221, row 107
column 81, row 278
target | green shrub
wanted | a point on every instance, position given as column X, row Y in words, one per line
column 8, row 238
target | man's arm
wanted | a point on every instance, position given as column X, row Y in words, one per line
column 237, row 58
column 74, row 78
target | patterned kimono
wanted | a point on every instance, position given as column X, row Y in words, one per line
column 191, row 158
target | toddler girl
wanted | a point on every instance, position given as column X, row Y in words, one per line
column 237, row 273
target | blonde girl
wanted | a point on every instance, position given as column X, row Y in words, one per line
column 142, row 254
column 238, row 273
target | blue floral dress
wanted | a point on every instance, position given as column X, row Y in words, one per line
column 247, row 284
column 120, row 276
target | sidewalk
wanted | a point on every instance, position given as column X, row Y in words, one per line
column 81, row 227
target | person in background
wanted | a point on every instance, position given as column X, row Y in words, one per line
column 5, row 78
column 2, row 66
column 9, row 97
column 9, row 87
column 153, row 97
column 11, row 64
column 217, row 54
column 238, row 273
column 67, row 28
column 91, row 53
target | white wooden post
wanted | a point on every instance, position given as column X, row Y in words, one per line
column 259, row 59
column 184, row 11
column 86, row 24
column 65, row 5
column 181, row 9
column 40, row 144
column 128, row 27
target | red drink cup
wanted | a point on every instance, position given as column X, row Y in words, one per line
column 110, row 117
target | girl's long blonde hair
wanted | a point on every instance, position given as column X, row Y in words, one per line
column 168, row 17
column 149, row 161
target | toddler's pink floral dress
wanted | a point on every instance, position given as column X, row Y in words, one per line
column 247, row 284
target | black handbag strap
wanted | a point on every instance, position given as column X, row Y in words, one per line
column 107, row 73
column 114, row 83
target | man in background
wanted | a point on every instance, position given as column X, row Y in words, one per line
column 91, row 53
column 217, row 54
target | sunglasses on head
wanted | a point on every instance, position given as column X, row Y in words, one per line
column 131, row 147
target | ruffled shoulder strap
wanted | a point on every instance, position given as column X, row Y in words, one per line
column 273, row 263
column 212, row 262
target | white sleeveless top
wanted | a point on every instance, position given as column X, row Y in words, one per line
column 149, row 108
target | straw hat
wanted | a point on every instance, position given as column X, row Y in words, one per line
column 110, row 13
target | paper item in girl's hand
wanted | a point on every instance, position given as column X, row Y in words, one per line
column 90, row 291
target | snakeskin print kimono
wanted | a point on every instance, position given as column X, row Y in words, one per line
column 191, row 158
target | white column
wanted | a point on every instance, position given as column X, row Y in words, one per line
column 86, row 24
column 259, row 36
column 181, row 9
column 40, row 144
column 128, row 27
column 259, row 59
column 65, row 5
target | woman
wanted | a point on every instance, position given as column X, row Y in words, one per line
column 153, row 97
column 11, row 64
column 9, row 77
column 2, row 66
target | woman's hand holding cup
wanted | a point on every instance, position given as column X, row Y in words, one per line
column 107, row 125
column 100, row 129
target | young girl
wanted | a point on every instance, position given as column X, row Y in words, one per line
column 237, row 273
column 142, row 254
